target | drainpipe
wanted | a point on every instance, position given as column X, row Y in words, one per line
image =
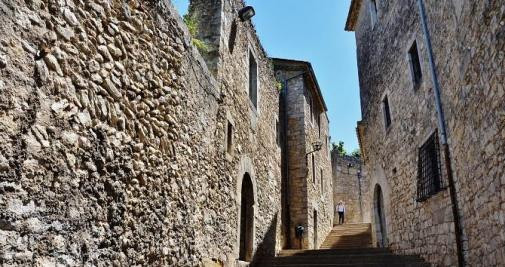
column 442, row 125
column 286, row 154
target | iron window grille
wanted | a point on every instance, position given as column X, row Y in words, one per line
column 429, row 178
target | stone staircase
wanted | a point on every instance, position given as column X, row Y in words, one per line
column 347, row 245
column 349, row 236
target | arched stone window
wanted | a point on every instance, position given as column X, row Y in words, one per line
column 246, row 219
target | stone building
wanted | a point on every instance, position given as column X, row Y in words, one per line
column 350, row 185
column 308, row 166
column 120, row 146
column 401, row 133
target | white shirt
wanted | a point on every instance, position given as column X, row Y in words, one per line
column 340, row 208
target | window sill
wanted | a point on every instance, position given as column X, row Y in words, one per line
column 253, row 108
column 428, row 197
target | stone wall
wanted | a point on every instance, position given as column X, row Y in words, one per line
column 113, row 139
column 468, row 42
column 310, row 186
column 350, row 185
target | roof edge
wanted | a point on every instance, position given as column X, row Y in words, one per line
column 353, row 15
column 311, row 73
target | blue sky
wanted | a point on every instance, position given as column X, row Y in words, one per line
column 314, row 31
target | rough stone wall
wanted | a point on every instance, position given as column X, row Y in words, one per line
column 255, row 127
column 349, row 185
column 468, row 42
column 306, row 196
column 320, row 192
column 112, row 140
column 297, row 164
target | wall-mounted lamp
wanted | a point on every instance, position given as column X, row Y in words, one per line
column 316, row 146
column 246, row 13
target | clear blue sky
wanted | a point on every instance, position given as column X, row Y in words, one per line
column 314, row 31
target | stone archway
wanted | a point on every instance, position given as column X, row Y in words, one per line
column 246, row 219
column 379, row 217
column 246, row 199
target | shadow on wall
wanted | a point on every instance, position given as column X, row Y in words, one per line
column 266, row 248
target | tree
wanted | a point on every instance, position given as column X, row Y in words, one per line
column 339, row 148
column 356, row 153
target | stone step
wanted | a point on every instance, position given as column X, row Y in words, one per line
column 346, row 238
column 347, row 259
column 347, row 233
column 340, row 251
column 346, row 245
column 372, row 264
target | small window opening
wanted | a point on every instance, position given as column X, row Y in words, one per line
column 387, row 112
column 313, row 170
column 233, row 36
column 415, row 64
column 229, row 138
column 311, row 107
column 278, row 133
column 253, row 80
column 429, row 180
column 322, row 181
column 318, row 118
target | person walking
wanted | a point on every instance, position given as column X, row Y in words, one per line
column 341, row 210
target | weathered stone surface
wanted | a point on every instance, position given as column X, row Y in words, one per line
column 3, row 61
column 52, row 64
column 112, row 89
column 309, row 171
column 468, row 43
column 350, row 185
column 112, row 139
column 70, row 17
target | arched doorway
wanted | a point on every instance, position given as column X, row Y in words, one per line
column 380, row 218
column 246, row 219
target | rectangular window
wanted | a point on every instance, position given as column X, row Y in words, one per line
column 318, row 118
column 322, row 181
column 373, row 12
column 278, row 133
column 313, row 170
column 415, row 64
column 387, row 112
column 229, row 138
column 311, row 110
column 253, row 80
column 429, row 180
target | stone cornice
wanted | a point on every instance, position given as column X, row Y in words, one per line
column 353, row 15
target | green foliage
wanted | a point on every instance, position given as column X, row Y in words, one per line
column 201, row 45
column 192, row 24
column 356, row 153
column 279, row 86
column 339, row 148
